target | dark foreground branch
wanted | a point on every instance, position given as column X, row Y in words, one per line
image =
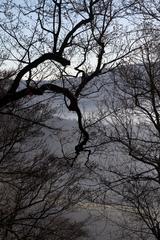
column 73, row 106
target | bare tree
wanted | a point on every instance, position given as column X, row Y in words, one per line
column 129, row 138
column 36, row 187
column 57, row 47
column 55, row 40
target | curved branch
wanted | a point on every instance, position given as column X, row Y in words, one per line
column 73, row 106
column 47, row 56
column 70, row 34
